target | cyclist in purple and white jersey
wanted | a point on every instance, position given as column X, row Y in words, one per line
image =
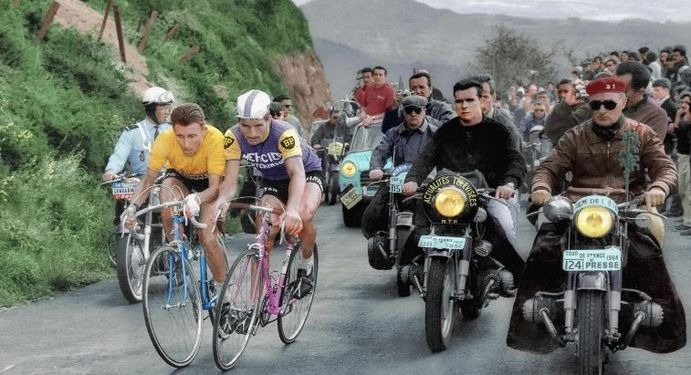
column 291, row 171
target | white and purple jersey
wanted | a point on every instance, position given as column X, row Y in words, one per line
column 281, row 143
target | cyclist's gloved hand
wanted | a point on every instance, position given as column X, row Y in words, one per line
column 127, row 218
column 193, row 202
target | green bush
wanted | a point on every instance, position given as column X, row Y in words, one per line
column 53, row 217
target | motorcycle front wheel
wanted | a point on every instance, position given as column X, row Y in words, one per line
column 591, row 356
column 439, row 303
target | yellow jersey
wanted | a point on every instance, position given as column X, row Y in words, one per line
column 208, row 160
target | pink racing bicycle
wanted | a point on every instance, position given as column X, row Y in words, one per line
column 253, row 296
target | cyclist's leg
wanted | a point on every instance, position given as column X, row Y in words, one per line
column 275, row 194
column 311, row 199
column 273, row 201
column 171, row 190
column 207, row 238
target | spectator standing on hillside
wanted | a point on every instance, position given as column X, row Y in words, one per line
column 378, row 97
column 288, row 112
column 436, row 93
column 654, row 66
column 364, row 81
column 490, row 111
column 536, row 117
column 420, row 84
column 639, row 106
column 569, row 112
column 682, row 128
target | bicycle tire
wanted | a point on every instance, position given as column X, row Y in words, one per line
column 173, row 317
column 130, row 268
column 294, row 311
column 237, row 310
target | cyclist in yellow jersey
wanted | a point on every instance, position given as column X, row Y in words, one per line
column 193, row 153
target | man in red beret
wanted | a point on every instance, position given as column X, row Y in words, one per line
column 592, row 152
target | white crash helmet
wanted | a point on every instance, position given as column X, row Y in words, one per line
column 253, row 105
column 157, row 95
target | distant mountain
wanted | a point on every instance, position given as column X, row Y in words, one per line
column 409, row 34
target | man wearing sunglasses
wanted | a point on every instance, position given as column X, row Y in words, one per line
column 592, row 152
column 403, row 143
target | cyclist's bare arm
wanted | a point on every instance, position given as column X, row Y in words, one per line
column 296, row 187
column 209, row 194
column 144, row 185
column 230, row 181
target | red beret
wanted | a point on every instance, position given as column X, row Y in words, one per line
column 605, row 84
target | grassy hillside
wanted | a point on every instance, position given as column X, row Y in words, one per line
column 64, row 101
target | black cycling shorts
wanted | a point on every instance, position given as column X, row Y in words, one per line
column 193, row 185
column 279, row 188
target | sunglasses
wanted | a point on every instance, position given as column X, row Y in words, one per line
column 538, row 110
column 410, row 109
column 287, row 105
column 609, row 104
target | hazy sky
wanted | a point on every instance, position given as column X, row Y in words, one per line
column 655, row 10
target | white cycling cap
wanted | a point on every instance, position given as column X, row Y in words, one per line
column 253, row 104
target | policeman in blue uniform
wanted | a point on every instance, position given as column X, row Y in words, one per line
column 134, row 144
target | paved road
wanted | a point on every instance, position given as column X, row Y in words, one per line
column 357, row 326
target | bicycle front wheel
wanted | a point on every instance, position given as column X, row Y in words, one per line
column 172, row 307
column 237, row 310
column 297, row 297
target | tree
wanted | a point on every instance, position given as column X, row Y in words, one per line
column 509, row 57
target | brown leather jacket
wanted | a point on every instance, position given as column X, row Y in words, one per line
column 594, row 162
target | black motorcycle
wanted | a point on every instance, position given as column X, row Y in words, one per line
column 391, row 249
column 593, row 310
column 459, row 269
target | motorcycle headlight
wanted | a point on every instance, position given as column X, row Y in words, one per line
column 449, row 202
column 349, row 169
column 594, row 222
column 558, row 208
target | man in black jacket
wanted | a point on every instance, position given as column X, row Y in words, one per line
column 469, row 142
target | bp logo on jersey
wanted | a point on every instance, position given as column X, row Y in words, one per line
column 288, row 142
column 228, row 141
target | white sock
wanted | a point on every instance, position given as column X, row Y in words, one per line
column 306, row 264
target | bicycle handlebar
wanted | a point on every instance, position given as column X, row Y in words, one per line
column 255, row 207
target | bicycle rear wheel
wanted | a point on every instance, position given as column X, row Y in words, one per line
column 172, row 307
column 296, row 304
column 237, row 310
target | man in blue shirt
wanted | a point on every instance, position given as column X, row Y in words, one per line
column 134, row 144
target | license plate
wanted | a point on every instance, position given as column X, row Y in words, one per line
column 608, row 259
column 396, row 185
column 441, row 242
column 351, row 197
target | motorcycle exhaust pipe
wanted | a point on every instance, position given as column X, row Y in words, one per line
column 544, row 313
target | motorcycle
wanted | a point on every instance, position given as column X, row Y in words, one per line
column 331, row 157
column 133, row 246
column 459, row 269
column 593, row 310
column 388, row 249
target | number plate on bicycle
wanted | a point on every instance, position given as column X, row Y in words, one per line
column 124, row 189
column 607, row 259
column 441, row 242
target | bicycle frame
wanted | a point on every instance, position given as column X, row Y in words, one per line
column 273, row 290
column 186, row 255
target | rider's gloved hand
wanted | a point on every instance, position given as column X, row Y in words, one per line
column 127, row 218
column 409, row 188
column 193, row 202
column 108, row 176
column 539, row 197
column 376, row 174
column 504, row 191
column 654, row 197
